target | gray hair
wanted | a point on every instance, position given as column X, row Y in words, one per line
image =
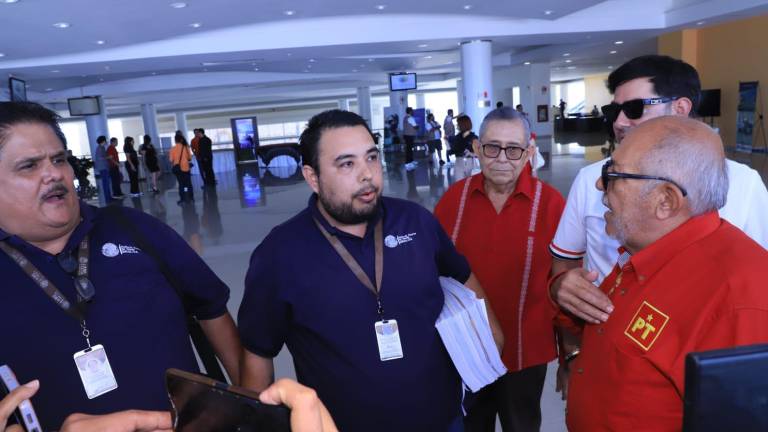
column 680, row 156
column 507, row 114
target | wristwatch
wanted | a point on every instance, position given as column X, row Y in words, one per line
column 572, row 355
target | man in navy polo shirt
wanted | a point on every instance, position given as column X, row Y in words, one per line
column 134, row 320
column 351, row 286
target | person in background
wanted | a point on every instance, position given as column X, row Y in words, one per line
column 101, row 165
column 181, row 158
column 449, row 132
column 435, row 142
column 132, row 166
column 204, row 156
column 463, row 145
column 147, row 150
column 114, row 169
column 410, row 130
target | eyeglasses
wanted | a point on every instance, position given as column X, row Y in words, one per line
column 493, row 151
column 634, row 108
column 607, row 176
column 68, row 262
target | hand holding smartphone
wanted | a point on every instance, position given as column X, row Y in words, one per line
column 23, row 414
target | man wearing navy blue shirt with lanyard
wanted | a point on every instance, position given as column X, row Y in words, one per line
column 351, row 286
column 85, row 309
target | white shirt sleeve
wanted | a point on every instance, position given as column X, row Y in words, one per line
column 570, row 241
column 412, row 121
column 747, row 206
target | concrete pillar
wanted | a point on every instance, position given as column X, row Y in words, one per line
column 364, row 104
column 181, row 124
column 344, row 104
column 477, row 79
column 420, row 100
column 459, row 97
column 97, row 125
column 149, row 117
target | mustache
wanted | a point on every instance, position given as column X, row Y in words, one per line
column 57, row 189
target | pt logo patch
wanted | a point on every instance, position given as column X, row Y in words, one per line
column 111, row 250
column 646, row 325
column 394, row 241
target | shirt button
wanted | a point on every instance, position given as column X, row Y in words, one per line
column 580, row 370
column 622, row 292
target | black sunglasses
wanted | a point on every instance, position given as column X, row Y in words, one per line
column 493, row 151
column 68, row 262
column 634, row 108
column 607, row 176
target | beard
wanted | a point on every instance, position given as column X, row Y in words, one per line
column 345, row 211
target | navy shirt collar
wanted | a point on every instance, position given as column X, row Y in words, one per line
column 317, row 215
column 88, row 216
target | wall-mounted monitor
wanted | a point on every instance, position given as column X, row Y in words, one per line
column 402, row 81
column 18, row 90
column 84, row 106
column 709, row 106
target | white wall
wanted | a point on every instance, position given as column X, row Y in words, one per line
column 531, row 79
column 596, row 92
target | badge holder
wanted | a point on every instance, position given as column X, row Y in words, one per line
column 94, row 368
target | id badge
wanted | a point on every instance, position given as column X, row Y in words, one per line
column 95, row 371
column 388, row 337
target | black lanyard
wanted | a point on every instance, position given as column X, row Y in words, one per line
column 378, row 241
column 83, row 286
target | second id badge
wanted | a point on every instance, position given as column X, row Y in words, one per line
column 95, row 371
column 388, row 337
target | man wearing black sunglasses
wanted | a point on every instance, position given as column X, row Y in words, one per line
column 643, row 88
column 685, row 281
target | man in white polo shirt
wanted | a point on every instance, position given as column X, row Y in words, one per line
column 643, row 88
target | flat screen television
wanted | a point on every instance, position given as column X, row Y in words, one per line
column 710, row 103
column 84, row 106
column 726, row 390
column 18, row 89
column 402, row 81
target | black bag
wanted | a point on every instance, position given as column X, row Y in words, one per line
column 199, row 340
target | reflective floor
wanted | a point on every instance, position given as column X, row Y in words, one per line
column 225, row 224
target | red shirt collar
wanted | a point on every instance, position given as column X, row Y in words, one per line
column 651, row 259
column 525, row 183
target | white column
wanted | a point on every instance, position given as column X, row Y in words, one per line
column 364, row 104
column 459, row 97
column 344, row 104
column 420, row 101
column 477, row 79
column 181, row 124
column 398, row 102
column 149, row 117
column 97, row 125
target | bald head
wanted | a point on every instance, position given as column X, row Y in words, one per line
column 686, row 151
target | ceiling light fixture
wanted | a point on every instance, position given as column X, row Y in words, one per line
column 178, row 5
column 571, row 67
column 618, row 42
column 154, row 73
column 427, row 57
column 256, row 69
column 548, row 12
column 290, row 12
column 2, row 55
column 100, row 42
column 10, row 1
column 55, row 71
column 61, row 25
column 354, row 70
column 568, row 61
column 196, row 25
column 701, row 23
column 370, row 59
column 527, row 63
column 467, row 7
column 381, row 7
column 312, row 60
column 423, row 45
column 610, row 67
column 48, row 89
column 567, row 55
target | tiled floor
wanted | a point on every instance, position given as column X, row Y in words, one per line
column 225, row 225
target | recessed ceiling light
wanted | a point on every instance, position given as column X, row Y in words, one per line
column 567, row 55
column 571, row 67
column 354, row 70
column 381, row 7
column 613, row 52
column 467, row 7
column 290, row 12
column 427, row 57
column 306, row 70
column 154, row 73
column 312, row 60
column 548, row 12
column 61, row 25
column 423, row 45
column 107, row 67
column 370, row 59
column 100, row 42
column 55, row 71
column 289, row 54
column 10, row 1
column 2, row 55
column 178, row 5
column 619, row 42
column 196, row 25
column 48, row 89
column 568, row 61
column 527, row 63
column 610, row 67
column 701, row 23
column 256, row 69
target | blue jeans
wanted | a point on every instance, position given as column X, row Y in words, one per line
column 105, row 180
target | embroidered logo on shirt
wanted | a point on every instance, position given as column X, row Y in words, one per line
column 646, row 325
column 395, row 241
column 111, row 250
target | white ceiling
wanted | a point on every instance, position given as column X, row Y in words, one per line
column 247, row 51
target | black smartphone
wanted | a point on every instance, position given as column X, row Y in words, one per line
column 202, row 404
